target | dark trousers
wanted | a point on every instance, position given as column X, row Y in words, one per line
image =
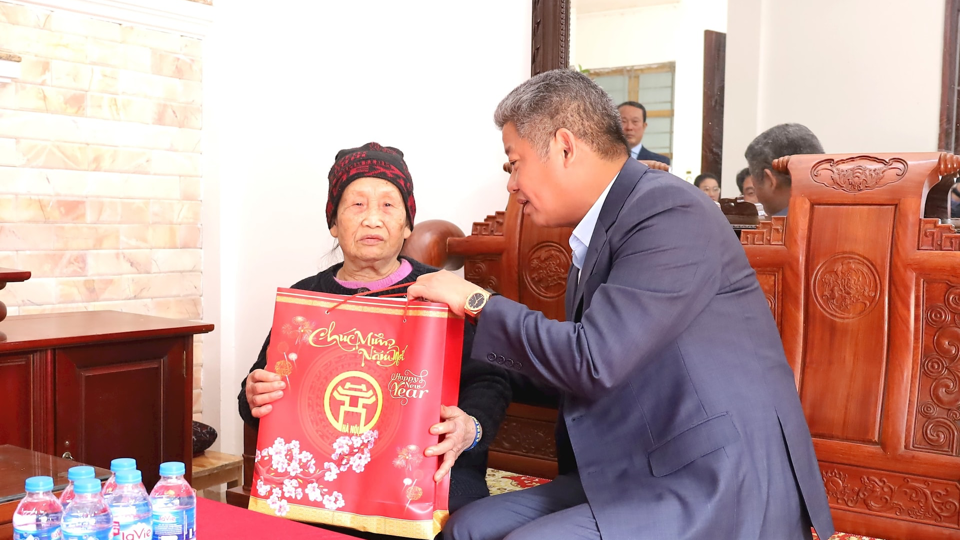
column 557, row 510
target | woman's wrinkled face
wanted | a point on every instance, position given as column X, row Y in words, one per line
column 711, row 188
column 371, row 221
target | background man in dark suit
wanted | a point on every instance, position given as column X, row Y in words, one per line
column 679, row 416
column 633, row 118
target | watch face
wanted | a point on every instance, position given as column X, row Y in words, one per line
column 476, row 300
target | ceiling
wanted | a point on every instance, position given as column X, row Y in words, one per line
column 596, row 6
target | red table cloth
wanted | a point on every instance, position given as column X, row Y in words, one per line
column 218, row 521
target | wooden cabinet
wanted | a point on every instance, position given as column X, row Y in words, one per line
column 94, row 386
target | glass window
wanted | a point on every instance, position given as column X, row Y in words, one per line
column 652, row 86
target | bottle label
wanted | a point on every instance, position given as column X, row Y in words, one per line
column 133, row 530
column 50, row 533
column 174, row 525
column 102, row 534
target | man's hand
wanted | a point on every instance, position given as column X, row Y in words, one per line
column 655, row 165
column 443, row 287
column 263, row 388
column 458, row 432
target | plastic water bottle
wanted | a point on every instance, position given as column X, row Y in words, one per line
column 174, row 504
column 117, row 465
column 87, row 516
column 38, row 514
column 74, row 474
column 130, row 507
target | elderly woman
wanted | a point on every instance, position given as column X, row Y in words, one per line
column 370, row 211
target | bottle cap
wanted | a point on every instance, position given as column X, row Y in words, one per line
column 129, row 477
column 83, row 471
column 38, row 484
column 86, row 485
column 123, row 464
column 172, row 468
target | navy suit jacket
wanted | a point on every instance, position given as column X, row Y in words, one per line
column 647, row 155
column 677, row 400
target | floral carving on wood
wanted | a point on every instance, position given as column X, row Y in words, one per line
column 769, row 283
column 936, row 236
column 546, row 270
column 846, row 286
column 882, row 492
column 483, row 272
column 857, row 174
column 937, row 423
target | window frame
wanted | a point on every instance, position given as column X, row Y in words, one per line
column 633, row 87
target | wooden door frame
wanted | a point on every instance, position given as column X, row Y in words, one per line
column 949, row 127
column 550, row 36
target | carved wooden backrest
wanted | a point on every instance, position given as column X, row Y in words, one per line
column 518, row 259
column 866, row 294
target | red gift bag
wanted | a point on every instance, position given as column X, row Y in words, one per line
column 365, row 380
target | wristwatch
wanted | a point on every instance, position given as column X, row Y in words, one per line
column 475, row 303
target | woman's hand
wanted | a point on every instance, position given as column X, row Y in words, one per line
column 459, row 432
column 263, row 388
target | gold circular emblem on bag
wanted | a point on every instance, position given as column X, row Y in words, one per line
column 353, row 402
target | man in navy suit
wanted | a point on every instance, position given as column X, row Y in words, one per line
column 633, row 117
column 679, row 417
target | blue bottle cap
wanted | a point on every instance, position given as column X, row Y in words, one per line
column 83, row 471
column 172, row 468
column 38, row 484
column 129, row 477
column 86, row 485
column 123, row 464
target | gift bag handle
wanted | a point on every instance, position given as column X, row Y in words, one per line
column 406, row 304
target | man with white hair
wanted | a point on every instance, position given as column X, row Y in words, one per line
column 679, row 416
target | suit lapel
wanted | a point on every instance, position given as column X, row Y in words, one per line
column 572, row 289
column 622, row 187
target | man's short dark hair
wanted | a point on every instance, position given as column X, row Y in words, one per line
column 703, row 176
column 637, row 105
column 776, row 142
column 742, row 177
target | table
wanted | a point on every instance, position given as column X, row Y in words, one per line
column 219, row 521
column 215, row 468
column 18, row 464
column 94, row 386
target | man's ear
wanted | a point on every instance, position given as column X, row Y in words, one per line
column 770, row 178
column 567, row 143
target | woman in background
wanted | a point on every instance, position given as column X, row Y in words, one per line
column 709, row 184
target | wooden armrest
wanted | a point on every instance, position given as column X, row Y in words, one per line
column 428, row 244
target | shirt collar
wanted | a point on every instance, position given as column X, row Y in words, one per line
column 580, row 239
column 635, row 151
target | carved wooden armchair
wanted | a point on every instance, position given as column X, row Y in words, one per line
column 866, row 294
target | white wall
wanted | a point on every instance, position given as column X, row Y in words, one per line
column 654, row 34
column 864, row 75
column 289, row 84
